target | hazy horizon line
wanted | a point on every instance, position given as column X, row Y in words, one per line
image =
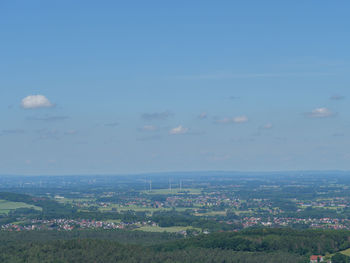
column 187, row 172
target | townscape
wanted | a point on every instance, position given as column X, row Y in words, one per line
column 182, row 206
column 227, row 202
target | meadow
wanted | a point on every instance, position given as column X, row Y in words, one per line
column 7, row 206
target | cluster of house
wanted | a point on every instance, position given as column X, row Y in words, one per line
column 70, row 224
column 319, row 258
column 204, row 200
column 334, row 202
column 323, row 223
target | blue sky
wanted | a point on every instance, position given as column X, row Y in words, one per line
column 110, row 87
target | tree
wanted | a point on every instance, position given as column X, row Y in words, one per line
column 340, row 258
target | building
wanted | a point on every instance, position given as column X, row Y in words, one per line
column 316, row 258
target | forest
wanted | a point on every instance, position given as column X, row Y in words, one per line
column 248, row 246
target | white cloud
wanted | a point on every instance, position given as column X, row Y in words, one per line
column 178, row 130
column 238, row 119
column 203, row 115
column 320, row 113
column 268, row 126
column 36, row 101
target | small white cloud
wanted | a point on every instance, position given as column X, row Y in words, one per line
column 178, row 130
column 203, row 116
column 268, row 126
column 238, row 119
column 320, row 113
column 36, row 101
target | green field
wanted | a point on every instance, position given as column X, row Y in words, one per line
column 346, row 252
column 7, row 206
column 212, row 213
column 113, row 220
column 172, row 229
column 132, row 207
